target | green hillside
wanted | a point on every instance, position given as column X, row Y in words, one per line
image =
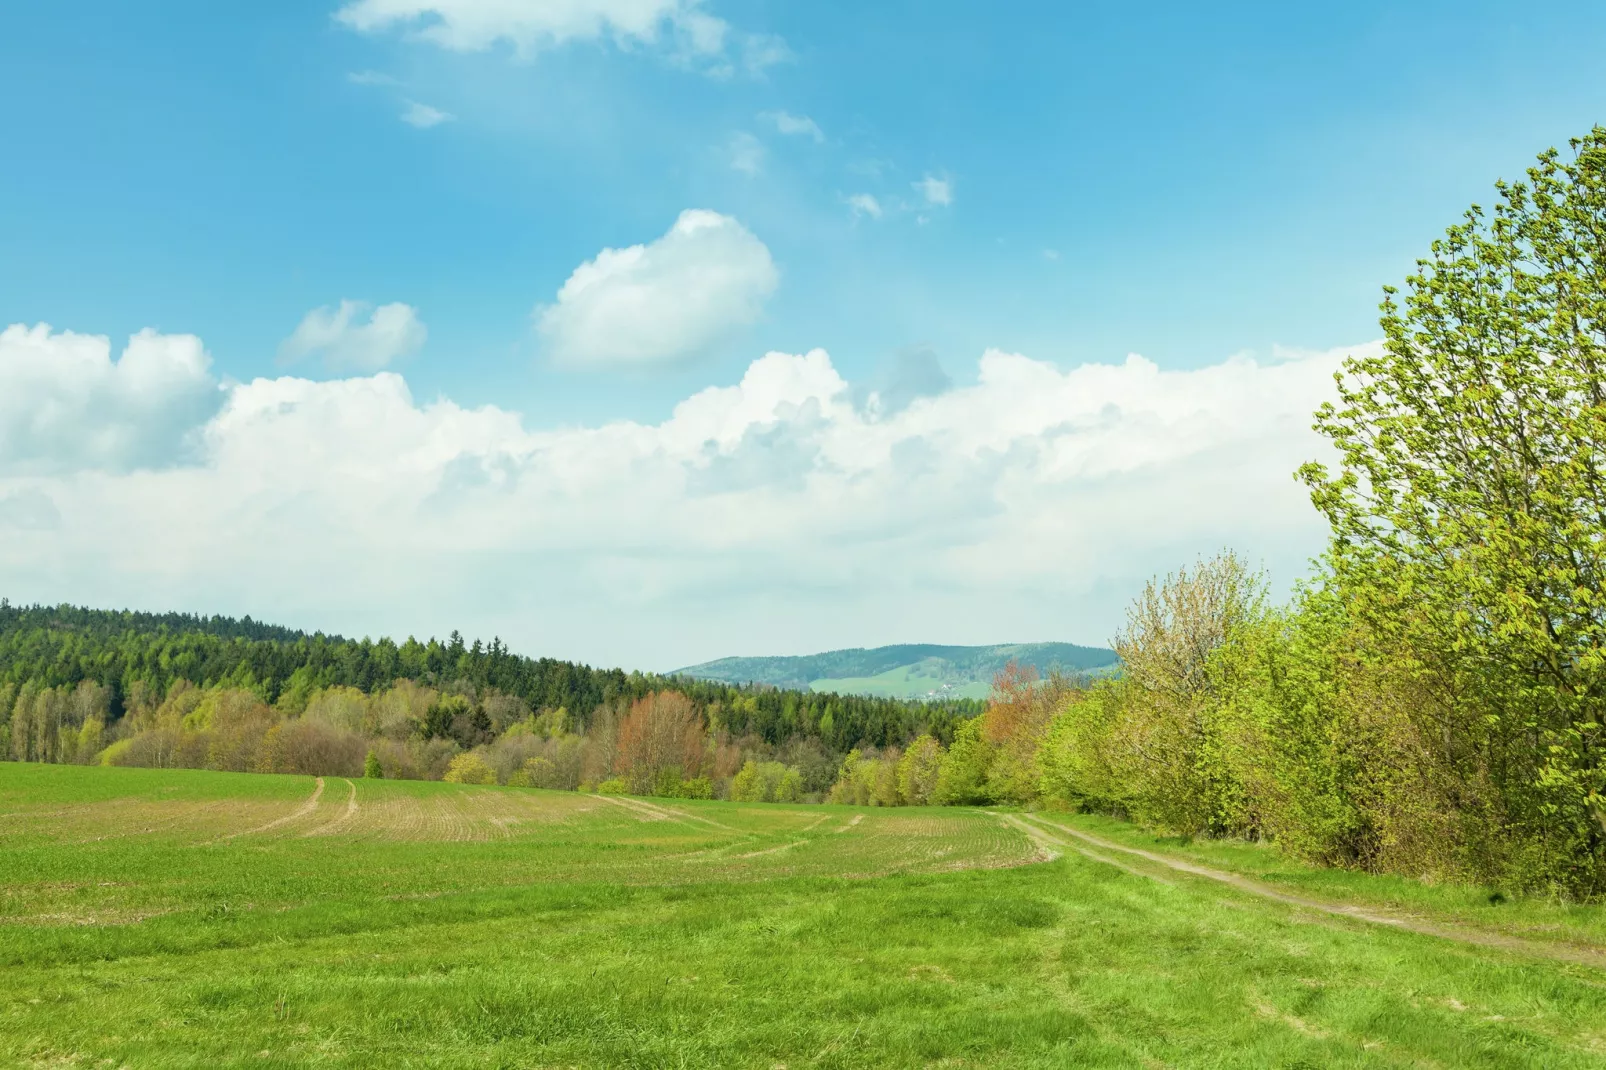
column 908, row 670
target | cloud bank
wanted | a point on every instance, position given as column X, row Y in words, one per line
column 770, row 515
column 665, row 302
column 65, row 404
column 683, row 27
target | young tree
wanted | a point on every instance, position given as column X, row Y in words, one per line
column 746, row 786
column 662, row 732
column 1017, row 718
column 918, row 770
column 8, row 698
column 962, row 779
column 1172, row 743
column 1468, row 508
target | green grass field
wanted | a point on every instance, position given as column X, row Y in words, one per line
column 176, row 918
column 921, row 680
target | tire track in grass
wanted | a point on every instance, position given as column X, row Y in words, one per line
column 302, row 811
column 1583, row 955
column 677, row 814
column 856, row 819
column 1049, row 843
column 654, row 812
column 642, row 811
column 774, row 850
column 344, row 819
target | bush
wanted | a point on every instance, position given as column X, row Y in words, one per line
column 469, row 768
column 697, row 788
column 766, row 782
column 532, row 774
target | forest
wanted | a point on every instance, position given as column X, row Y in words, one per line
column 1430, row 702
column 120, row 688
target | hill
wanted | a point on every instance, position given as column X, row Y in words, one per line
column 908, row 670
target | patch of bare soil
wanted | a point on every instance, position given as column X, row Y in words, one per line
column 304, row 810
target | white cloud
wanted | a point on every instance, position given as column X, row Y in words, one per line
column 682, row 27
column 936, row 191
column 663, row 302
column 761, row 51
column 348, row 344
column 370, row 78
column 770, row 515
column 865, row 204
column 66, row 405
column 795, row 125
column 746, row 153
column 423, row 116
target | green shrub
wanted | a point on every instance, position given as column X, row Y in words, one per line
column 697, row 788
column 767, row 782
column 469, row 768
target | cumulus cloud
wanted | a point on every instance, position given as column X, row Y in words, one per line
column 423, row 116
column 747, row 154
column 663, row 302
column 865, row 204
column 347, row 343
column 937, row 192
column 683, row 27
column 65, row 404
column 770, row 514
column 795, row 125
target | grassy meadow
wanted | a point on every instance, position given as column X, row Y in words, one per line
column 176, row 918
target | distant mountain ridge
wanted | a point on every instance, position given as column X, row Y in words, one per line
column 907, row 670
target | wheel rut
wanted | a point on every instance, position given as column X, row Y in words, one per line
column 344, row 819
column 301, row 811
column 1583, row 955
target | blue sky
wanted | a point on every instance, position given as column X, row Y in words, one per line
column 905, row 186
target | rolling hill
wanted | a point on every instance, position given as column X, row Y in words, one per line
column 910, row 670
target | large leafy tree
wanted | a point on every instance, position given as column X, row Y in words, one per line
column 1468, row 507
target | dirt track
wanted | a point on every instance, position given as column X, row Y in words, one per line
column 302, row 811
column 1037, row 827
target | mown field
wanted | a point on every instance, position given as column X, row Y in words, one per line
column 178, row 918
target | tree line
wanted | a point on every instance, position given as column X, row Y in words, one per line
column 81, row 685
